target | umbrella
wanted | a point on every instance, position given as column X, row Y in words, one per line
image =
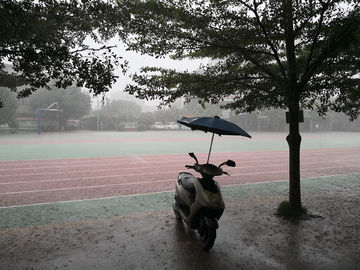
column 215, row 124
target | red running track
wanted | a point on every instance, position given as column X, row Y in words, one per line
column 46, row 181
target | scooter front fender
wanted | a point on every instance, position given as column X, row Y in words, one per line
column 212, row 223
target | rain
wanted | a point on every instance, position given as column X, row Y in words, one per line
column 111, row 181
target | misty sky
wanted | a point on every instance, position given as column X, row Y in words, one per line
column 136, row 61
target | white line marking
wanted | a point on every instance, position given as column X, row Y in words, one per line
column 86, row 187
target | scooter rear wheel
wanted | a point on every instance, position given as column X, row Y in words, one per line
column 207, row 237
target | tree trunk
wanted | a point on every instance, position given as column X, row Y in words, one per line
column 294, row 138
column 294, row 141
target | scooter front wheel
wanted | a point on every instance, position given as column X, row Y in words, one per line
column 207, row 237
column 177, row 215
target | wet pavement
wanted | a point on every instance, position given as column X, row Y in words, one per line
column 250, row 236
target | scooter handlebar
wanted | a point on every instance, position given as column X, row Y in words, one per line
column 211, row 169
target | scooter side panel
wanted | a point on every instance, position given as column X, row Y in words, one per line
column 203, row 204
column 184, row 195
column 198, row 203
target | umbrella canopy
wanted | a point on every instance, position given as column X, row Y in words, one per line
column 215, row 125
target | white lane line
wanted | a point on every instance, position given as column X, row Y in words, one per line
column 87, row 187
column 94, row 199
column 159, row 181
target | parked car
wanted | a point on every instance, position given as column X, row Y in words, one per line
column 72, row 124
column 171, row 125
column 157, row 125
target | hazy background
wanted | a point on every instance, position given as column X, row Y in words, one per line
column 136, row 61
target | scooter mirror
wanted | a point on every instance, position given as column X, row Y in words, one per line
column 194, row 157
column 231, row 163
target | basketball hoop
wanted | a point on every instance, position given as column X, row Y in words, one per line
column 48, row 109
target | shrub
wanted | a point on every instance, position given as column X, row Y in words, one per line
column 141, row 127
column 120, row 127
column 13, row 125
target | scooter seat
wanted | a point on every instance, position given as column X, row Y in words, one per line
column 187, row 180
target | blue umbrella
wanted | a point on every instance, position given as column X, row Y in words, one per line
column 215, row 125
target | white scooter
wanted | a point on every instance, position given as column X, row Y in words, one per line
column 199, row 201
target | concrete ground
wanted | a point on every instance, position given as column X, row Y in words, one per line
column 250, row 236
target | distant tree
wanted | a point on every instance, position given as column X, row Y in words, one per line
column 248, row 121
column 46, row 41
column 210, row 110
column 195, row 108
column 189, row 107
column 268, row 54
column 122, row 109
column 276, row 119
column 146, row 118
column 7, row 81
column 339, row 122
column 108, row 122
column 8, row 112
column 73, row 102
column 167, row 114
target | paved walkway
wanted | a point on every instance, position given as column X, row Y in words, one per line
column 141, row 232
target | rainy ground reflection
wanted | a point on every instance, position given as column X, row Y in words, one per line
column 250, row 236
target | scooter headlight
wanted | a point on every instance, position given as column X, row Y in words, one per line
column 213, row 197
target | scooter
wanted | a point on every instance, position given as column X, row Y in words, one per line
column 199, row 201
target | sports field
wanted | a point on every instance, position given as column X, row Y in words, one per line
column 77, row 171
column 83, row 144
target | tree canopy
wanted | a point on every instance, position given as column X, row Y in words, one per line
column 48, row 40
column 8, row 113
column 288, row 54
column 196, row 109
column 265, row 52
